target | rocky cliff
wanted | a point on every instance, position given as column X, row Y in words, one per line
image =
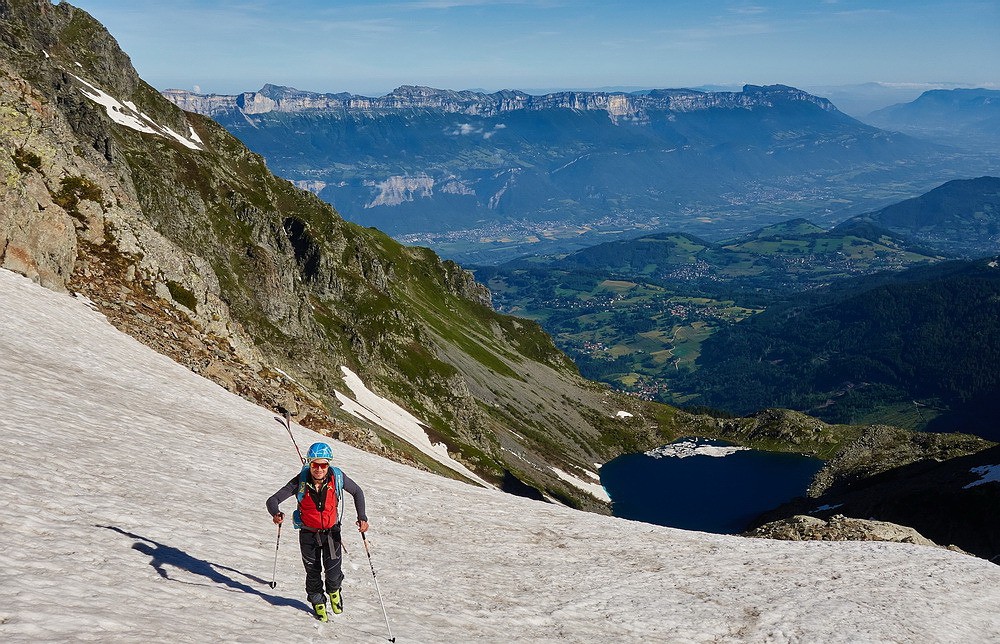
column 274, row 98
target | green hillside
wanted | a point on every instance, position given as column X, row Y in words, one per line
column 915, row 349
column 960, row 217
column 636, row 313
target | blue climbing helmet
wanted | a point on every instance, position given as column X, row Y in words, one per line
column 319, row 450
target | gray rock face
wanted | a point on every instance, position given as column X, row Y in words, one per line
column 37, row 236
column 69, row 189
column 881, row 448
column 272, row 98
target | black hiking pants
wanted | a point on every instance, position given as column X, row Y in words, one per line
column 321, row 550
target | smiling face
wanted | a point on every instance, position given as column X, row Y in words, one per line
column 318, row 468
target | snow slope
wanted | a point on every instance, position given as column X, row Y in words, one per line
column 133, row 510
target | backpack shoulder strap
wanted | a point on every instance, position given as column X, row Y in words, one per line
column 303, row 482
column 299, row 493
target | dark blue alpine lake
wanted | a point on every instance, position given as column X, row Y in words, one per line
column 706, row 485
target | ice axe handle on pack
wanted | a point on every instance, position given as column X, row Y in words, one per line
column 286, row 422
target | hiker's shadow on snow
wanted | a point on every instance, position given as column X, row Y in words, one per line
column 163, row 555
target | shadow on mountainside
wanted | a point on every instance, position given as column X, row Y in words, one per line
column 163, row 555
column 943, row 500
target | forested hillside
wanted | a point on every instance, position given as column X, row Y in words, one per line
column 961, row 217
column 634, row 313
column 920, row 345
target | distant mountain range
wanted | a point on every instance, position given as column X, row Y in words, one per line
column 635, row 105
column 475, row 174
column 967, row 117
column 861, row 99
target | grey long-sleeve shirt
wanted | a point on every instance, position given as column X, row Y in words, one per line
column 292, row 487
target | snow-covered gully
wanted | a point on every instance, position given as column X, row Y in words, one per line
column 134, row 511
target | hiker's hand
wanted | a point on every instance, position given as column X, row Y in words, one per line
column 362, row 526
column 278, row 518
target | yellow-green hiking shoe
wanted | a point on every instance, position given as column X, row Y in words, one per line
column 320, row 610
column 336, row 602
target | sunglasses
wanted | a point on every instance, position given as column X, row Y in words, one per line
column 321, row 466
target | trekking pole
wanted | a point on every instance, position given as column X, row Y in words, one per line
column 274, row 571
column 384, row 614
column 286, row 422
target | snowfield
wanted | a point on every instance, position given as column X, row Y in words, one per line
column 133, row 511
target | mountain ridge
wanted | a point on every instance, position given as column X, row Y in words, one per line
column 483, row 177
column 195, row 247
column 966, row 117
column 961, row 217
column 407, row 97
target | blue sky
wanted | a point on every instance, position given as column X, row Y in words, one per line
column 371, row 47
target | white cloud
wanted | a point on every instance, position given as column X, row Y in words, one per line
column 464, row 129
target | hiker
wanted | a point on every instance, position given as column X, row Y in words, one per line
column 320, row 488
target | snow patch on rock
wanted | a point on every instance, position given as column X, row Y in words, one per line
column 595, row 490
column 130, row 116
column 393, row 418
column 989, row 474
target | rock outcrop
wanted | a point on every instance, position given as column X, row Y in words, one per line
column 839, row 528
column 881, row 448
column 945, row 499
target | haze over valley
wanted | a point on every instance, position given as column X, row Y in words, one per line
column 483, row 178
